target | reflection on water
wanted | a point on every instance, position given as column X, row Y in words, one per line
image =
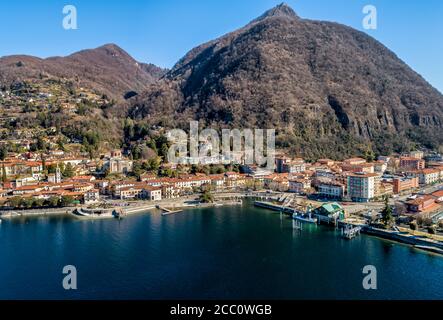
column 220, row 253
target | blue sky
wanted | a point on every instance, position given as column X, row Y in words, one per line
column 162, row 31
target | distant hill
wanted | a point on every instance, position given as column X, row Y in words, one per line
column 107, row 69
column 329, row 90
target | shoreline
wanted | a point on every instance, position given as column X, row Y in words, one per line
column 415, row 242
column 136, row 208
column 36, row 213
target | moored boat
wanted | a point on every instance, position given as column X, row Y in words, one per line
column 303, row 218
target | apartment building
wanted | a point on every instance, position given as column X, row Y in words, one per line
column 428, row 176
column 333, row 190
column 411, row 163
column 362, row 187
column 402, row 184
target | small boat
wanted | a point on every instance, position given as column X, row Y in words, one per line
column 303, row 218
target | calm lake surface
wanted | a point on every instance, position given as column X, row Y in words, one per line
column 217, row 253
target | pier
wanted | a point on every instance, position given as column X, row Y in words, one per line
column 350, row 231
column 274, row 207
column 167, row 212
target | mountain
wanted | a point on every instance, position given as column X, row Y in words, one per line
column 107, row 69
column 81, row 98
column 328, row 89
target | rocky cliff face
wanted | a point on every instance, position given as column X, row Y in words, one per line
column 326, row 88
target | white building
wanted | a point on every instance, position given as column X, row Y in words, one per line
column 362, row 186
column 152, row 193
column 428, row 176
column 91, row 196
column 333, row 190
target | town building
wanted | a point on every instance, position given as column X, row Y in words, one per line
column 403, row 184
column 330, row 213
column 411, row 163
column 417, row 154
column 428, row 176
column 362, row 187
column 152, row 193
column 354, row 161
column 332, row 190
column 420, row 204
column 438, row 195
column 91, row 196
column 117, row 165
column 301, row 186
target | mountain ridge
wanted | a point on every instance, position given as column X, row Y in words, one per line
column 108, row 69
column 329, row 90
column 317, row 82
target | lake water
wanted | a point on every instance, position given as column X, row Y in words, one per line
column 217, row 253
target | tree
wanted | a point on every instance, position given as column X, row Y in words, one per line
column 154, row 164
column 137, row 170
column 52, row 202
column 387, row 217
column 65, row 201
column 207, row 197
column 164, row 152
column 4, row 176
column 151, row 144
column 37, row 203
column 69, row 171
column 3, row 152
column 26, row 203
column 15, row 202
column 52, row 168
column 43, row 161
column 369, row 155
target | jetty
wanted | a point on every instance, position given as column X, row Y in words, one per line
column 350, row 231
column 274, row 207
column 167, row 212
column 98, row 213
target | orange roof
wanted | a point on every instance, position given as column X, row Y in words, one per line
column 420, row 200
column 364, row 175
column 25, row 188
column 438, row 194
column 429, row 171
column 354, row 159
column 82, row 178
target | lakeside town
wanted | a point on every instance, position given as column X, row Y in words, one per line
column 408, row 184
